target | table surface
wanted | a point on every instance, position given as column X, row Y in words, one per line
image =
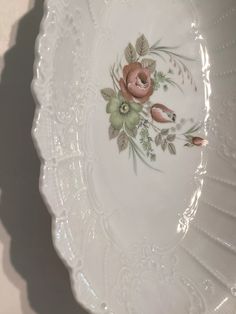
column 10, row 289
column 32, row 277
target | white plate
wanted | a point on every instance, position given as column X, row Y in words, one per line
column 149, row 229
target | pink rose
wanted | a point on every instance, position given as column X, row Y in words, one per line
column 162, row 114
column 136, row 84
column 198, row 141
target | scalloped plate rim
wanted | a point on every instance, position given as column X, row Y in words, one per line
column 36, row 141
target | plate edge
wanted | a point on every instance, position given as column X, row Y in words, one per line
column 37, row 143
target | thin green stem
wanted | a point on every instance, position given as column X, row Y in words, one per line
column 116, row 88
column 172, row 83
column 142, row 159
column 156, row 129
column 157, row 54
column 145, row 113
column 170, row 53
column 155, row 44
column 180, row 138
column 134, row 159
column 137, row 152
column 113, row 73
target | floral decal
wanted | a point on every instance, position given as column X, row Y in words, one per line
column 135, row 121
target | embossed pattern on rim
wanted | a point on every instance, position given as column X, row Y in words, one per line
column 198, row 229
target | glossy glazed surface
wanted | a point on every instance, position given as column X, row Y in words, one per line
column 152, row 241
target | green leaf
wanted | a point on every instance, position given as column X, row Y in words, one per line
column 158, row 139
column 140, row 155
column 165, row 87
column 165, row 131
column 108, row 93
column 142, row 46
column 130, row 53
column 144, row 132
column 156, row 85
column 150, row 64
column 153, row 157
column 189, row 137
column 132, row 133
column 171, row 137
column 130, row 151
column 116, row 120
column 113, row 133
column 172, row 149
column 188, row 145
column 164, row 145
column 160, row 76
column 122, row 141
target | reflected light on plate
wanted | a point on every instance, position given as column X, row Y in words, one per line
column 221, row 304
column 87, row 284
column 206, row 66
column 206, row 75
column 190, row 212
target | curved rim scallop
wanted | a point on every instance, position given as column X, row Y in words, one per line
column 37, row 143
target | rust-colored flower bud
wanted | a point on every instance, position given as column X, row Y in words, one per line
column 198, row 141
column 162, row 114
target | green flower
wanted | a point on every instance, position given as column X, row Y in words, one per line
column 123, row 113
